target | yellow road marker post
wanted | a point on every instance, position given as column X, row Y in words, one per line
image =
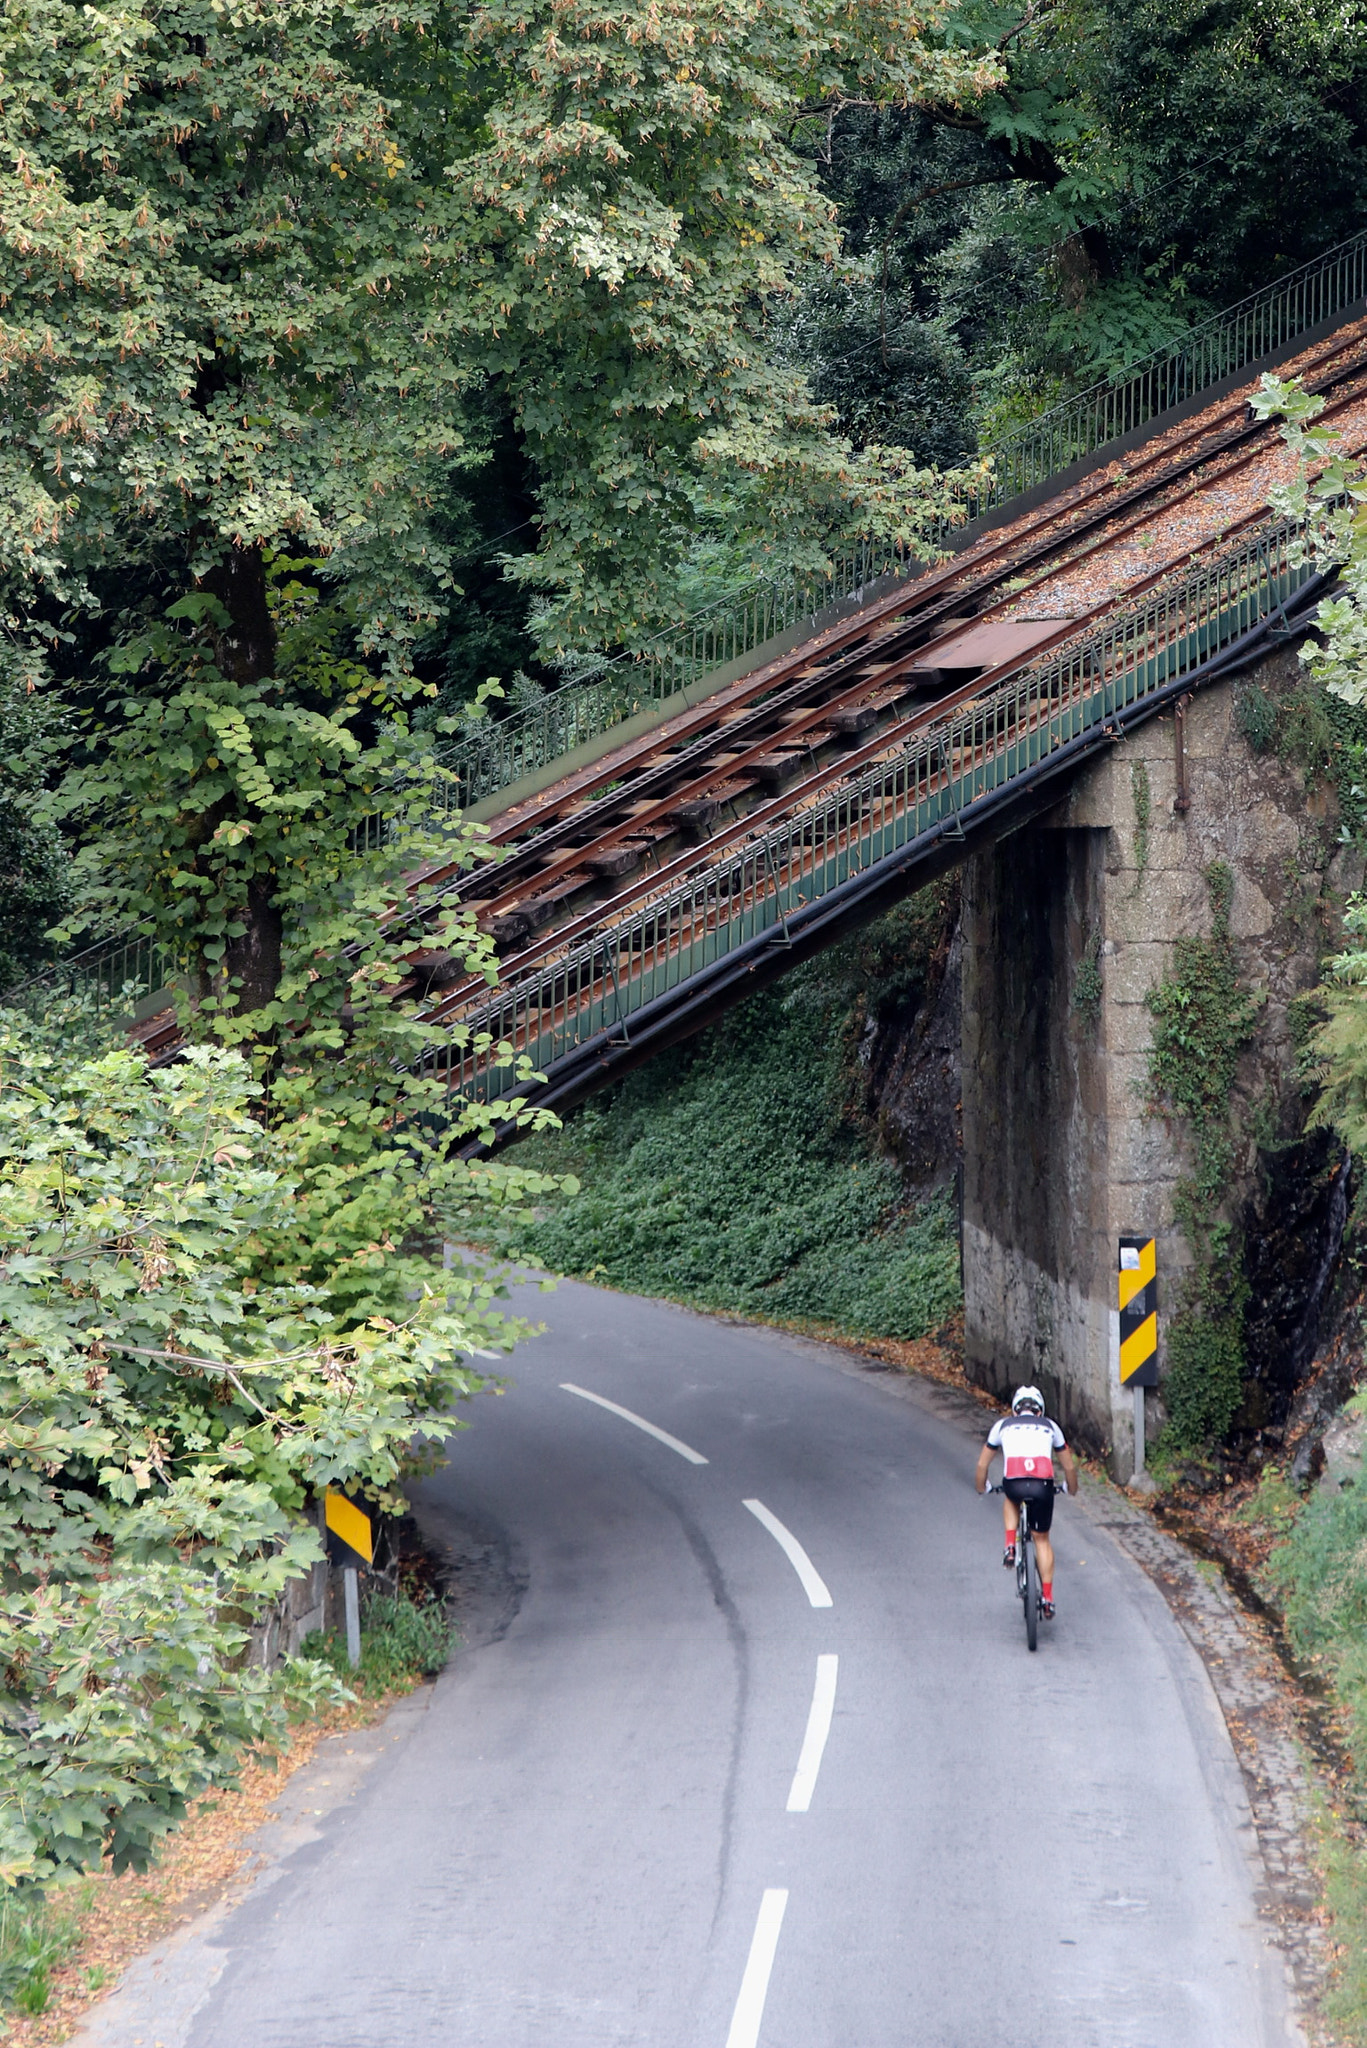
column 350, row 1544
column 1138, row 1302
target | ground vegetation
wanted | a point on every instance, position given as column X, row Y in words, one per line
column 744, row 1172
column 59, row 1951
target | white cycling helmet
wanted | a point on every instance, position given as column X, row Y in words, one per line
column 1027, row 1397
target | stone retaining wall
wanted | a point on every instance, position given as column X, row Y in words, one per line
column 1068, row 924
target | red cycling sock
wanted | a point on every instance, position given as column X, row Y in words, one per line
column 1010, row 1542
column 1046, row 1587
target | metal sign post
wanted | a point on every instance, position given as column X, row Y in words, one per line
column 1138, row 1297
column 353, row 1615
column 351, row 1544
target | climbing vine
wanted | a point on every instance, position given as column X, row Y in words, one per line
column 1088, row 987
column 1202, row 1021
column 1143, row 815
column 1317, row 732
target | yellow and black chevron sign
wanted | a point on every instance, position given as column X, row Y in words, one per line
column 1138, row 1312
column 350, row 1531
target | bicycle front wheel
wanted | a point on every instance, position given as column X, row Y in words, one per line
column 1031, row 1597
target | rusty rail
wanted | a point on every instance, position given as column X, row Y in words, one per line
column 556, row 1006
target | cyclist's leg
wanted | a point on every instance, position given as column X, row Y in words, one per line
column 1042, row 1521
column 1011, row 1515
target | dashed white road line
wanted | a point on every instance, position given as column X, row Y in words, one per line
column 754, row 1985
column 660, row 1435
column 813, row 1585
column 814, row 1741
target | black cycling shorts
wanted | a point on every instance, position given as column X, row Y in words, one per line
column 1040, row 1494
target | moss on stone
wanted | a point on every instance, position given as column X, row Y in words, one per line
column 1203, row 1019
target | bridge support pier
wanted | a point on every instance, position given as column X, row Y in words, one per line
column 1068, row 924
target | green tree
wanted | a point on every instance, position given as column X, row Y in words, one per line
column 193, row 1344
column 266, row 260
column 1141, row 162
column 1171, row 154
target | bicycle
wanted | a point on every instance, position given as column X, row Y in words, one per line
column 1027, row 1567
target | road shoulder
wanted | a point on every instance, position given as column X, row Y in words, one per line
column 1258, row 1698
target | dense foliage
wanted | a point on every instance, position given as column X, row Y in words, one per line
column 278, row 278
column 1139, row 165
column 194, row 1341
column 260, row 258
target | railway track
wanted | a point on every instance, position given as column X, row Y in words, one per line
column 779, row 886
column 595, row 842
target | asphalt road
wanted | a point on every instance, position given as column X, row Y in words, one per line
column 618, row 1822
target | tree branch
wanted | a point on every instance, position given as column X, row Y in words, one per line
column 908, row 206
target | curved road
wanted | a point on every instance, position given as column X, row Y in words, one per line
column 704, row 1791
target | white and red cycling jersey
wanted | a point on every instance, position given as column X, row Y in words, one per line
column 1027, row 1444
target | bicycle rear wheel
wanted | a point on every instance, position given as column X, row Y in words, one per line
column 1031, row 1597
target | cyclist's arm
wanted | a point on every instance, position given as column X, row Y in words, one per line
column 985, row 1457
column 1069, row 1464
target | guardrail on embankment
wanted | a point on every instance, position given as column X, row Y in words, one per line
column 672, row 962
column 119, row 973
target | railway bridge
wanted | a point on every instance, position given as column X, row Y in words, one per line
column 1052, row 706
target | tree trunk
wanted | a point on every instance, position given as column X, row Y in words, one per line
column 246, row 650
column 246, row 645
column 253, row 961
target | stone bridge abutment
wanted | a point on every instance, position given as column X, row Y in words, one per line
column 1068, row 924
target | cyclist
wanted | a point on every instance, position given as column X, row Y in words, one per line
column 1027, row 1439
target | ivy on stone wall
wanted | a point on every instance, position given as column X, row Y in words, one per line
column 1143, row 817
column 1202, row 1021
column 1144, row 814
column 1088, row 984
column 1317, row 733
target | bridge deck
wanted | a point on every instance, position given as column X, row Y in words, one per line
column 668, row 954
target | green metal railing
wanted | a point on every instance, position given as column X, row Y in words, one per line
column 1214, row 349
column 494, row 752
column 549, row 1009
column 112, row 974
